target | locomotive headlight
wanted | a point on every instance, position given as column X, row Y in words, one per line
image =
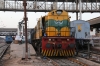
column 59, row 12
column 49, row 39
column 67, row 39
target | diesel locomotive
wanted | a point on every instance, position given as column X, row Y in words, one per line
column 82, row 33
column 8, row 39
column 51, row 36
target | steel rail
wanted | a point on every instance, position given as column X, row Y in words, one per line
column 78, row 62
column 5, row 47
column 70, row 59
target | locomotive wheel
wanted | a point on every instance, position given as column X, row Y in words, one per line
column 39, row 49
column 76, row 52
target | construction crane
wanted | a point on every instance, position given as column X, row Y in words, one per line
column 21, row 28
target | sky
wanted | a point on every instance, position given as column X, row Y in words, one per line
column 11, row 19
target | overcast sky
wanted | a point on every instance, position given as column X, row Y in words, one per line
column 11, row 19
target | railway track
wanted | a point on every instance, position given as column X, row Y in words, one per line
column 3, row 49
column 66, row 62
column 94, row 55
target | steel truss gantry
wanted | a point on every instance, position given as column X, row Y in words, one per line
column 48, row 5
column 45, row 6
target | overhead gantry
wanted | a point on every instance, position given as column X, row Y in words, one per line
column 48, row 5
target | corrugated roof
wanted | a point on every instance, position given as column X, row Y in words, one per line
column 94, row 20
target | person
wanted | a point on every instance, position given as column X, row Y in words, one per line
column 13, row 38
column 22, row 39
column 91, row 42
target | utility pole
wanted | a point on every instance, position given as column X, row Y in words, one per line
column 76, row 9
column 80, row 4
column 25, row 19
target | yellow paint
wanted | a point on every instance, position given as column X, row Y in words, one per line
column 46, row 18
column 51, row 31
column 40, row 32
column 63, row 16
column 49, row 53
column 61, row 52
column 44, row 52
column 79, row 27
column 57, row 52
column 54, row 52
column 65, row 31
column 64, row 53
column 37, row 34
column 72, row 52
column 60, row 18
column 54, row 11
column 68, row 52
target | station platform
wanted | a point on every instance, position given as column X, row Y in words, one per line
column 16, row 55
column 17, row 50
column 14, row 58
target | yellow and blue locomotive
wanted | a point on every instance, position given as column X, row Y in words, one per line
column 51, row 36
